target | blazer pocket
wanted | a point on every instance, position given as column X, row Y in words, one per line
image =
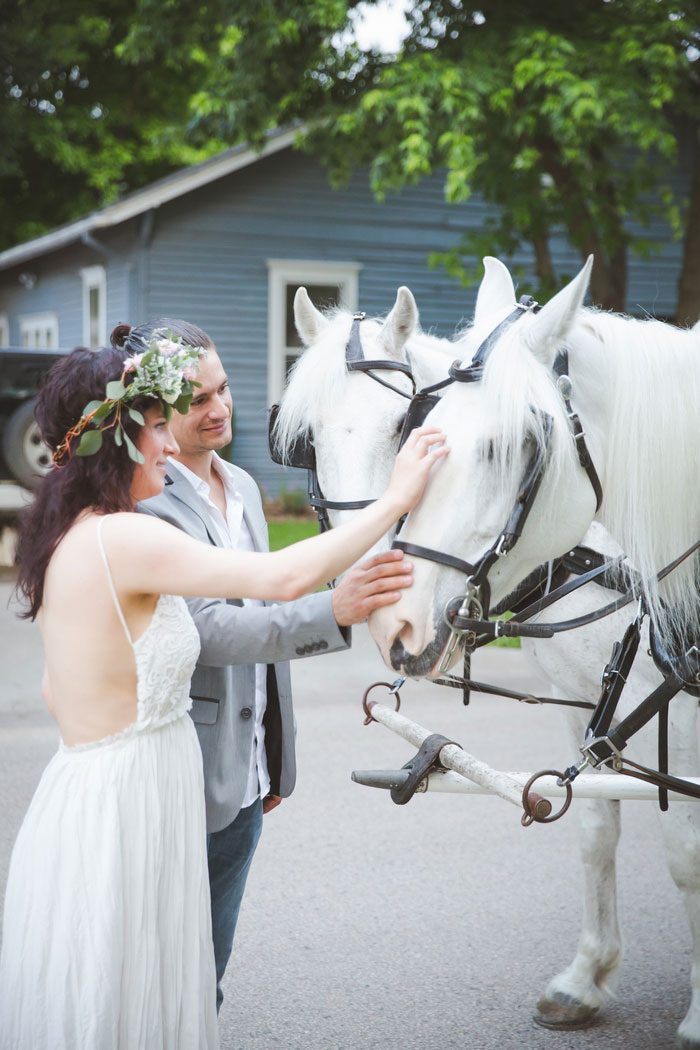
column 205, row 710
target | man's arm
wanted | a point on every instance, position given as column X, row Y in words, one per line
column 251, row 634
column 234, row 634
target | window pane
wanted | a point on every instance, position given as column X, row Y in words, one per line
column 94, row 309
column 288, row 362
column 321, row 295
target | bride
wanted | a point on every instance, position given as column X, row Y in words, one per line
column 107, row 936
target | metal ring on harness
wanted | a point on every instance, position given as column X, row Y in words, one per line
column 367, row 707
column 538, row 809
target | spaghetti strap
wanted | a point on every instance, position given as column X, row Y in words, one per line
column 110, row 581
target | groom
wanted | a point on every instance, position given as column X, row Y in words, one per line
column 241, row 697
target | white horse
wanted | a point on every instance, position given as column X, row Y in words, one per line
column 636, row 387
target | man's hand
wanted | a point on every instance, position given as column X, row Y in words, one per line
column 270, row 802
column 375, row 582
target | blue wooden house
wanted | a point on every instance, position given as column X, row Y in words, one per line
column 226, row 243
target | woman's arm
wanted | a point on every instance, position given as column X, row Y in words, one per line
column 147, row 556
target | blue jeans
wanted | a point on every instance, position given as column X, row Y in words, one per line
column 230, row 853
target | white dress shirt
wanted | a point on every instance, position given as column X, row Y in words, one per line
column 234, row 533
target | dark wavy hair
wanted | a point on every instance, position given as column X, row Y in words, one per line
column 126, row 337
column 100, row 482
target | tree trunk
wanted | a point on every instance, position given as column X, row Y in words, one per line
column 609, row 277
column 688, row 308
column 543, row 260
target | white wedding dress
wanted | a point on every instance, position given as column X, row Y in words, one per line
column 107, row 929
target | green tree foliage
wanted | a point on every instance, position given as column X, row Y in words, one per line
column 78, row 124
column 561, row 116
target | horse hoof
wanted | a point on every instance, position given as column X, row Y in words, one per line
column 564, row 1012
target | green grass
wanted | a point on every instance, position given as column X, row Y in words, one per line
column 282, row 533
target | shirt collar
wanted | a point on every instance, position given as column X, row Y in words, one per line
column 199, row 485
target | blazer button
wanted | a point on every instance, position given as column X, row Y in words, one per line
column 246, row 712
column 300, row 650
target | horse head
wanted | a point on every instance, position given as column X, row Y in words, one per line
column 505, row 417
column 352, row 418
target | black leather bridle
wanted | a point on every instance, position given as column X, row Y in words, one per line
column 474, row 603
column 303, row 453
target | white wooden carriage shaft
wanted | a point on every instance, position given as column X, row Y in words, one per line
column 467, row 775
column 453, row 756
column 586, row 785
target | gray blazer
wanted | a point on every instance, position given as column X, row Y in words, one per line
column 233, row 639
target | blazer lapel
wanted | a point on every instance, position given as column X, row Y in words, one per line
column 180, row 488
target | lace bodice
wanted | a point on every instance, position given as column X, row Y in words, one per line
column 166, row 654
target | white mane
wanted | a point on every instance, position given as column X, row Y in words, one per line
column 651, row 504
column 513, row 383
column 318, row 377
column 643, row 377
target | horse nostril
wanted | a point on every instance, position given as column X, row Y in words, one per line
column 397, row 654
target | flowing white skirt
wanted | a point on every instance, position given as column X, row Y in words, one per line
column 107, row 927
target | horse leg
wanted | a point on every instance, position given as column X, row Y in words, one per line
column 576, row 996
column 680, row 826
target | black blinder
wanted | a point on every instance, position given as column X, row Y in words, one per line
column 420, row 406
column 678, row 656
column 302, row 453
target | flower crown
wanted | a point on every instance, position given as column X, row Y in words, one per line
column 165, row 369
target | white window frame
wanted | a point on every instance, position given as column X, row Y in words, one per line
column 282, row 272
column 4, row 330
column 47, row 321
column 95, row 277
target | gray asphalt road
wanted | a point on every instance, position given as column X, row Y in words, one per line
column 368, row 926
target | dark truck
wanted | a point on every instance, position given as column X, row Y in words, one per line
column 24, row 457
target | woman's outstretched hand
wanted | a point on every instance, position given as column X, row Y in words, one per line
column 424, row 447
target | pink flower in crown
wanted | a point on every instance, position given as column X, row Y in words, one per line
column 188, row 373
column 167, row 347
column 133, row 362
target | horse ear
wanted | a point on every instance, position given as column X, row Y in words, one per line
column 400, row 323
column 308, row 320
column 496, row 291
column 551, row 325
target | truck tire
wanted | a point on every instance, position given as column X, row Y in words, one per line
column 26, row 455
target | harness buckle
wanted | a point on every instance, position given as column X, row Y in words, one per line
column 504, row 545
column 526, row 302
column 606, row 750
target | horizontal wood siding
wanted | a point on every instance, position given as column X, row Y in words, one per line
column 59, row 289
column 208, row 263
column 205, row 259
